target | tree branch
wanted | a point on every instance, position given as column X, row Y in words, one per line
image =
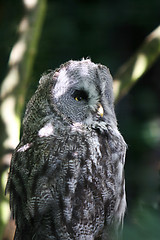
column 137, row 65
column 14, row 89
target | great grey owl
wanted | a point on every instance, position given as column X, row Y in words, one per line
column 66, row 178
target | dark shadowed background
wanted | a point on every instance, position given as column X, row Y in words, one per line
column 109, row 32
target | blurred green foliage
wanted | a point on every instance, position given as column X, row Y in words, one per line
column 109, row 32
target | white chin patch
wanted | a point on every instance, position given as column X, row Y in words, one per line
column 46, row 131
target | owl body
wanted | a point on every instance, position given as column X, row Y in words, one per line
column 66, row 179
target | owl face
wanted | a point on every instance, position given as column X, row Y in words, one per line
column 79, row 93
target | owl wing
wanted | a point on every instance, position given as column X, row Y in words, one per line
column 42, row 181
column 117, row 147
column 28, row 184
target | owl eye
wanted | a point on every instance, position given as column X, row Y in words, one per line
column 80, row 95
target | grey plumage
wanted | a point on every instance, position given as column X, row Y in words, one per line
column 66, row 178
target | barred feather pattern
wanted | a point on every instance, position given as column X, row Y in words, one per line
column 66, row 178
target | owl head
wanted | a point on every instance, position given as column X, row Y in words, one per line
column 77, row 92
column 83, row 91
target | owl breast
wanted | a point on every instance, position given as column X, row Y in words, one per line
column 80, row 184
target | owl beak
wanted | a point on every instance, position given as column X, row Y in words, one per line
column 100, row 110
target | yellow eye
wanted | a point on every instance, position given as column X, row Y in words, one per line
column 77, row 99
column 80, row 95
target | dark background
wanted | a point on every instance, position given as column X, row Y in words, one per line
column 108, row 32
